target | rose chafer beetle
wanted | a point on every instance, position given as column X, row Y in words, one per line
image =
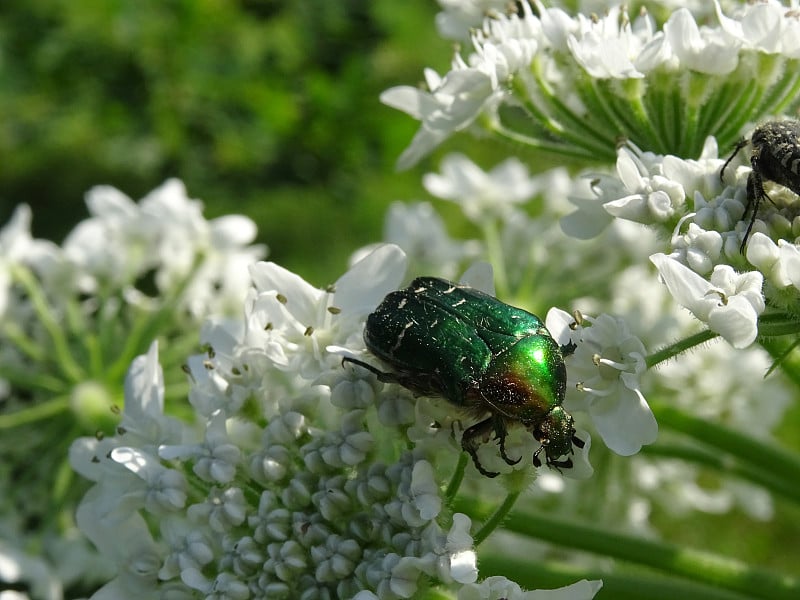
column 443, row 339
column 775, row 157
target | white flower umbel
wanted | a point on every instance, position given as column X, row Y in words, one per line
column 604, row 373
column 283, row 494
column 164, row 233
column 300, row 477
column 482, row 195
column 72, row 318
column 576, row 85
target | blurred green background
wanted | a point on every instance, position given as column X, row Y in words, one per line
column 264, row 108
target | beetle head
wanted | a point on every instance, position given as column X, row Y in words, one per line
column 556, row 433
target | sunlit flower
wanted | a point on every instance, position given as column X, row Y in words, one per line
column 766, row 26
column 702, row 49
column 729, row 303
column 481, row 195
column 611, row 47
column 453, row 103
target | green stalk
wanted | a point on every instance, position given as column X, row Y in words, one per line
column 456, row 479
column 694, row 565
column 679, row 347
column 494, row 250
column 35, row 412
column 537, row 575
column 147, row 327
column 759, row 455
column 568, row 151
column 724, row 465
column 497, row 517
column 64, row 356
column 778, row 324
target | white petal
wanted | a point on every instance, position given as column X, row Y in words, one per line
column 629, row 423
column 686, row 286
column 368, row 281
column 737, row 322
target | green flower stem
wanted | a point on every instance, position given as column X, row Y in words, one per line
column 786, row 359
column 695, row 565
column 729, row 130
column 777, row 324
column 772, row 461
column 679, row 347
column 603, row 104
column 494, row 249
column 720, row 108
column 723, row 465
column 626, row 586
column 496, row 518
column 21, row 342
column 456, row 479
column 62, row 353
column 783, row 93
column 646, row 134
column 148, row 327
column 564, row 150
column 34, row 412
column 578, row 131
column 33, row 380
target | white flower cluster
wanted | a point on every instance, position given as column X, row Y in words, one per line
column 164, row 235
column 281, row 492
column 706, row 217
column 540, row 61
column 72, row 317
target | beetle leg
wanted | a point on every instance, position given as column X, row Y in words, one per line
column 536, row 462
column 755, row 192
column 470, row 441
column 381, row 375
column 501, row 434
column 569, row 348
column 362, row 364
column 560, row 464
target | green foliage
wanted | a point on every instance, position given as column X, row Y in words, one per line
column 262, row 107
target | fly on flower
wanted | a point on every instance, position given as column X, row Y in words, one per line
column 444, row 339
column 775, row 157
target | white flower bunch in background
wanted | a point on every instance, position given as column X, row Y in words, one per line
column 583, row 83
column 72, row 318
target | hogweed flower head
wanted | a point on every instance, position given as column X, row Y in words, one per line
column 584, row 83
column 72, row 317
column 298, row 479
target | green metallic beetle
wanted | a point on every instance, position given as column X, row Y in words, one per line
column 444, row 339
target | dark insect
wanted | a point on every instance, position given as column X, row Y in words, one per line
column 775, row 157
column 443, row 339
